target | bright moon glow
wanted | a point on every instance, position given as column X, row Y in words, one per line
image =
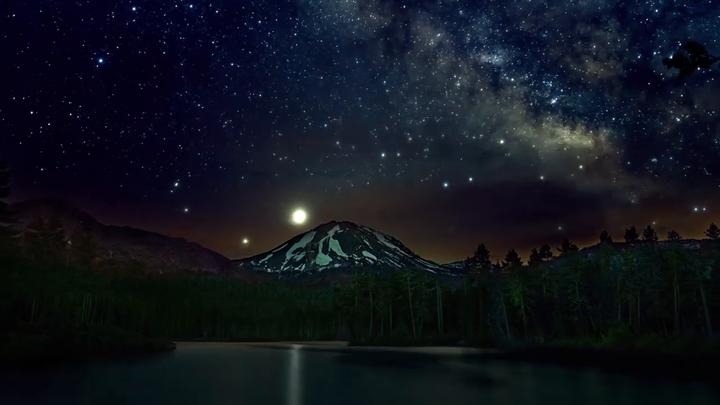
column 299, row 216
column 245, row 241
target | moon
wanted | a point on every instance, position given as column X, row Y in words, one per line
column 299, row 216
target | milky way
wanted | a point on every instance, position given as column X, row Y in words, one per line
column 445, row 123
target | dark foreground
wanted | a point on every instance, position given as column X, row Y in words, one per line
column 219, row 373
column 33, row 348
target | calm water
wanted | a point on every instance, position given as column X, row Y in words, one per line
column 232, row 374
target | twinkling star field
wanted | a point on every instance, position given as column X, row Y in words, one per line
column 443, row 123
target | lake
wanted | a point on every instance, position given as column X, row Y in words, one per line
column 217, row 373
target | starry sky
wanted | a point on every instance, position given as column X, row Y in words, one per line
column 443, row 123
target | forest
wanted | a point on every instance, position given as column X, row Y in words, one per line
column 640, row 292
column 644, row 288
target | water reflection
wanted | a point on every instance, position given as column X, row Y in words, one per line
column 294, row 377
column 217, row 373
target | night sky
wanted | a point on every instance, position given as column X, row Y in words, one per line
column 443, row 123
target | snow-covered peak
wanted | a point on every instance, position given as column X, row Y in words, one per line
column 339, row 245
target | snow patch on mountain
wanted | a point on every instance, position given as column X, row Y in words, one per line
column 291, row 255
column 339, row 245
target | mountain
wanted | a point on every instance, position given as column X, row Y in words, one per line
column 339, row 246
column 331, row 246
column 154, row 252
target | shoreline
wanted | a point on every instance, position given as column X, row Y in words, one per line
column 344, row 346
column 689, row 367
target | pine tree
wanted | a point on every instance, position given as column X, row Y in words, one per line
column 546, row 252
column 631, row 235
column 8, row 221
column 534, row 258
column 649, row 234
column 713, row 232
column 512, row 259
column 538, row 256
column 605, row 237
column 567, row 247
column 673, row 235
column 480, row 261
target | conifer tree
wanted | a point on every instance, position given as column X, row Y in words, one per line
column 567, row 247
column 631, row 235
column 512, row 259
column 713, row 232
column 673, row 235
column 480, row 261
column 545, row 252
column 534, row 258
column 605, row 237
column 649, row 234
column 541, row 255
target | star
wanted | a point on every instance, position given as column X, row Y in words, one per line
column 383, row 105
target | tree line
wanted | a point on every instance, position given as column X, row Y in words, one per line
column 640, row 288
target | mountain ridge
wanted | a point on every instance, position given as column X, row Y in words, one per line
column 338, row 245
column 156, row 252
column 335, row 245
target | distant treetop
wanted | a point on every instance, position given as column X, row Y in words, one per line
column 567, row 247
column 649, row 234
column 512, row 259
column 631, row 235
column 605, row 237
column 713, row 232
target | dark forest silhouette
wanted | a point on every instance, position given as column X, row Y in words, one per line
column 643, row 291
